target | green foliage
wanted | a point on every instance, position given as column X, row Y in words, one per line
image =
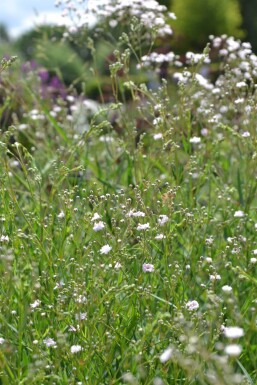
column 197, row 19
column 59, row 58
column 128, row 228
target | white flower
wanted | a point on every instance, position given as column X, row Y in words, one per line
column 215, row 277
column 49, row 342
column 158, row 136
column 233, row 332
column 75, row 349
column 195, row 140
column 233, row 350
column 133, row 213
column 35, row 304
column 162, row 220
column 159, row 237
column 117, row 266
column 4, row 238
column 143, row 226
column 98, row 226
column 239, row 214
column 253, row 260
column 166, row 355
column 192, row 305
column 95, row 217
column 105, row 249
column 246, row 134
column 61, row 215
column 2, row 341
column 226, row 289
column 148, row 268
column 80, row 316
column 241, row 84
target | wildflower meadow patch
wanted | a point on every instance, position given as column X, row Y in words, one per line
column 128, row 223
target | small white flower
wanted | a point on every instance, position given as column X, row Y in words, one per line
column 159, row 237
column 35, row 304
column 117, row 266
column 105, row 249
column 233, row 332
column 148, row 268
column 233, row 350
column 95, row 217
column 215, row 277
column 143, row 226
column 163, row 219
column 98, row 226
column 226, row 289
column 239, row 214
column 133, row 213
column 253, row 260
column 75, row 349
column 4, row 238
column 158, row 136
column 241, row 84
column 192, row 305
column 81, row 316
column 166, row 355
column 246, row 134
column 49, row 342
column 195, row 140
column 61, row 215
column 2, row 341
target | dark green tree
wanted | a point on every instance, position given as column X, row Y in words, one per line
column 249, row 13
column 4, row 35
column 197, row 19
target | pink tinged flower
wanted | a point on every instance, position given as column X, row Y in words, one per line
column 166, row 355
column 148, row 268
column 162, row 220
column 98, row 226
column 105, row 249
column 233, row 350
column 75, row 349
column 233, row 332
column 143, row 226
column 192, row 305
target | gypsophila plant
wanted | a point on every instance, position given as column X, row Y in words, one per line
column 128, row 223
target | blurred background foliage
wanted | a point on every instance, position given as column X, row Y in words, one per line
column 196, row 20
